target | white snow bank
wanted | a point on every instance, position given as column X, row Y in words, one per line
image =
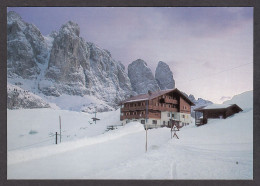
column 244, row 100
column 41, row 152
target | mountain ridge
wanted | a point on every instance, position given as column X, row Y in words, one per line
column 63, row 63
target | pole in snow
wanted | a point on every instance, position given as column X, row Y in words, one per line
column 171, row 125
column 146, row 138
column 56, row 137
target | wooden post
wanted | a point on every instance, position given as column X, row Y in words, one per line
column 56, row 137
column 146, row 111
column 60, row 128
column 171, row 125
column 146, row 138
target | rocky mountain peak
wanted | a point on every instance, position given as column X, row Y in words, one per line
column 141, row 77
column 164, row 76
column 139, row 62
column 26, row 48
column 13, row 16
column 192, row 98
column 70, row 27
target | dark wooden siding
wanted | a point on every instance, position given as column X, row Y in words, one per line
column 184, row 106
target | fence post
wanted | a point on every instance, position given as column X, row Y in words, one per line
column 56, row 137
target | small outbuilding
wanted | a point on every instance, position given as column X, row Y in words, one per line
column 215, row 111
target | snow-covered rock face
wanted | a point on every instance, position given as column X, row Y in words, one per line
column 80, row 68
column 68, row 59
column 164, row 76
column 63, row 63
column 107, row 77
column 18, row 98
column 141, row 77
column 26, row 48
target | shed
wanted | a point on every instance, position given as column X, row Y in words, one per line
column 216, row 111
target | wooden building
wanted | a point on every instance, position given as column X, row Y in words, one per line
column 215, row 111
column 157, row 109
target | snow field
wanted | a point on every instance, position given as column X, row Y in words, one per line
column 221, row 149
column 45, row 122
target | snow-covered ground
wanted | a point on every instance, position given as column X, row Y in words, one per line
column 222, row 149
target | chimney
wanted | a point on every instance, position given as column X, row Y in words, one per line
column 149, row 92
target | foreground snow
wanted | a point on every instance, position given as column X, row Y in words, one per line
column 222, row 149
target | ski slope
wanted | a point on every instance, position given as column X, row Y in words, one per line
column 222, row 149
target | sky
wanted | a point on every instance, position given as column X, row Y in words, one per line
column 208, row 49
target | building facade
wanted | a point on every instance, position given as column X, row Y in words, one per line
column 215, row 111
column 157, row 109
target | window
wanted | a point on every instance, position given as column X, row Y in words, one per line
column 169, row 115
column 155, row 122
column 164, row 122
column 143, row 121
column 183, row 116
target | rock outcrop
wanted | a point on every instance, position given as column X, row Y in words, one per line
column 63, row 63
column 81, row 68
column 68, row 60
column 26, row 48
column 18, row 98
column 164, row 76
column 141, row 77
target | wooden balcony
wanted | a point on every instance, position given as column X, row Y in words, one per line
column 150, row 107
column 133, row 108
column 162, row 108
column 139, row 116
column 173, row 101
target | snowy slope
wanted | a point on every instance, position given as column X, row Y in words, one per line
column 244, row 100
column 222, row 149
column 25, row 131
column 19, row 98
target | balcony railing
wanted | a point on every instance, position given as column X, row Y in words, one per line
column 133, row 108
column 173, row 101
column 163, row 108
column 139, row 116
column 151, row 107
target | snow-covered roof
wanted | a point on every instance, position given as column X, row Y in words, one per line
column 136, row 100
column 143, row 97
column 217, row 106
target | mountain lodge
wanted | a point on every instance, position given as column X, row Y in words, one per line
column 157, row 109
